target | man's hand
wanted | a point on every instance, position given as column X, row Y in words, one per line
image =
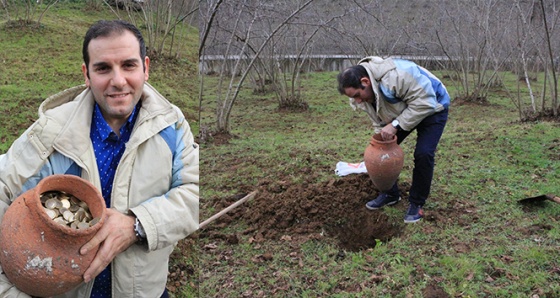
column 388, row 132
column 115, row 236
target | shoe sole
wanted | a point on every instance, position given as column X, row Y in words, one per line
column 388, row 204
column 415, row 220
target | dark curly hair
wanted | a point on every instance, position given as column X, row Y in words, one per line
column 105, row 28
column 351, row 77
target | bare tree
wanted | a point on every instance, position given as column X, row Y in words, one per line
column 536, row 23
column 469, row 34
column 161, row 20
column 551, row 57
column 31, row 8
column 290, row 50
column 525, row 45
column 265, row 44
column 245, row 54
column 206, row 25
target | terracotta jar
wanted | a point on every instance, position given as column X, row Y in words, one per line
column 39, row 256
column 384, row 161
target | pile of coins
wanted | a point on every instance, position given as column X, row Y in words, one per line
column 67, row 210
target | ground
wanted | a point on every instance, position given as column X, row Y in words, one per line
column 303, row 211
column 333, row 209
column 328, row 211
column 332, row 212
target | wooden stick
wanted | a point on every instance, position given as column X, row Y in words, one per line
column 226, row 210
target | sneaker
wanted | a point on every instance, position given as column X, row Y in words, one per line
column 414, row 213
column 382, row 200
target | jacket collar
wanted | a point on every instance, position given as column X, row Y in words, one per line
column 70, row 113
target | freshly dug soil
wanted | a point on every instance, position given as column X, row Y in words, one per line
column 333, row 209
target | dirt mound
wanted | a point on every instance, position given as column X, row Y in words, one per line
column 332, row 209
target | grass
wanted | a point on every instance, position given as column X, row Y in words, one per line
column 487, row 159
column 36, row 62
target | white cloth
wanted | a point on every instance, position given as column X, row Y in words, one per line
column 345, row 168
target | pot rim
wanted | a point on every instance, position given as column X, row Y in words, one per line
column 56, row 181
column 376, row 138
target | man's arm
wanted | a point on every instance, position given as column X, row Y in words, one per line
column 173, row 216
column 7, row 289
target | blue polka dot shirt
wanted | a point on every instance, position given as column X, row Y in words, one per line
column 108, row 148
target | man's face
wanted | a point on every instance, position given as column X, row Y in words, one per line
column 116, row 75
column 360, row 95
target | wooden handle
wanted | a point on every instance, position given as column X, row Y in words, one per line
column 554, row 198
column 226, row 210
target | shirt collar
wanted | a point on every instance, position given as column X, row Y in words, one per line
column 105, row 131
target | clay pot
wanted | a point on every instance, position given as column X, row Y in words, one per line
column 41, row 257
column 384, row 161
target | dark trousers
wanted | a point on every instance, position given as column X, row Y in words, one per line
column 429, row 132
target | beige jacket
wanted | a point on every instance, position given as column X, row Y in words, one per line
column 157, row 179
column 404, row 91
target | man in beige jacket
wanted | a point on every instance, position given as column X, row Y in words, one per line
column 400, row 96
column 123, row 136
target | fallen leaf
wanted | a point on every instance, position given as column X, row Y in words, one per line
column 507, row 259
column 377, row 278
column 286, row 238
column 210, row 246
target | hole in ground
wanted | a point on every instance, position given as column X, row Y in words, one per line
column 333, row 209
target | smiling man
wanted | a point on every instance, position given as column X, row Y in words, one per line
column 399, row 97
column 115, row 70
column 119, row 133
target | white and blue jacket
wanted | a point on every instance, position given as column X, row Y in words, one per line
column 404, row 91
